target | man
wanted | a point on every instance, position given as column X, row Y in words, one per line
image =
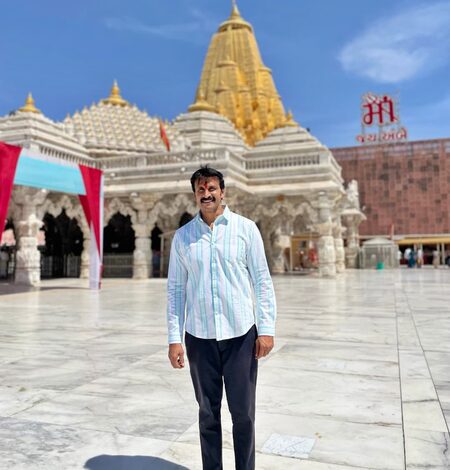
column 217, row 261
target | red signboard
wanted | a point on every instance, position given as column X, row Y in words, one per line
column 378, row 110
column 380, row 121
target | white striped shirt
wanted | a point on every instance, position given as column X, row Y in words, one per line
column 219, row 283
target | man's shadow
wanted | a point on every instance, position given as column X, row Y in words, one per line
column 130, row 462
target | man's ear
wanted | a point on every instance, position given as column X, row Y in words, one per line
column 223, row 194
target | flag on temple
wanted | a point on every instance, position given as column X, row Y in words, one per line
column 163, row 134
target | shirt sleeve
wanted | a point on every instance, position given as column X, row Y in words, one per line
column 176, row 292
column 266, row 310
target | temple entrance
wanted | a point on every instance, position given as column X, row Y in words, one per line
column 184, row 219
column 61, row 245
column 156, row 250
column 118, row 246
column 304, row 253
column 8, row 252
column 166, row 242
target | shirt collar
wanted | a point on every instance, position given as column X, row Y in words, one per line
column 226, row 215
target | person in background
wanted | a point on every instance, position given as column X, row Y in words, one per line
column 435, row 259
column 412, row 258
column 419, row 257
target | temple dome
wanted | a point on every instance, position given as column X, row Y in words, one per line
column 115, row 126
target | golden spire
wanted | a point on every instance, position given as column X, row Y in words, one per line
column 115, row 98
column 29, row 106
column 290, row 122
column 235, row 21
column 236, row 83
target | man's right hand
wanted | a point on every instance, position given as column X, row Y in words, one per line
column 176, row 355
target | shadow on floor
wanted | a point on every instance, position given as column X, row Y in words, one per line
column 11, row 288
column 130, row 462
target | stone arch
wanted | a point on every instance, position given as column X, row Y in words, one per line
column 115, row 206
column 62, row 244
column 119, row 235
column 185, row 218
column 71, row 207
column 168, row 214
column 276, row 225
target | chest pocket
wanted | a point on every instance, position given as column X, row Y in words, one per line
column 235, row 251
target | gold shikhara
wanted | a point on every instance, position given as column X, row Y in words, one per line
column 115, row 98
column 236, row 83
column 29, row 106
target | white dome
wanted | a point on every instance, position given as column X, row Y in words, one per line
column 111, row 128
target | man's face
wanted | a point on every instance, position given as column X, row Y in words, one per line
column 208, row 194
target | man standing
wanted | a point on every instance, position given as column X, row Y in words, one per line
column 217, row 262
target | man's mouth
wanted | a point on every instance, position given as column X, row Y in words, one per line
column 206, row 201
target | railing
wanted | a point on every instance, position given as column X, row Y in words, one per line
column 60, row 266
column 167, row 161
column 118, row 265
column 67, row 156
column 313, row 159
column 7, row 262
column 172, row 158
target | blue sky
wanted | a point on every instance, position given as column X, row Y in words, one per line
column 324, row 55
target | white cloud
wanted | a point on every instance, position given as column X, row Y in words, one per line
column 400, row 47
column 188, row 31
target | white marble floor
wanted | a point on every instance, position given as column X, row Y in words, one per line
column 359, row 378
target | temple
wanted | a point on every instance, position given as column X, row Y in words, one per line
column 276, row 173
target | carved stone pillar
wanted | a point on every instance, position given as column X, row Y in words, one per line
column 278, row 245
column 352, row 249
column 142, row 266
column 326, row 247
column 339, row 248
column 28, row 257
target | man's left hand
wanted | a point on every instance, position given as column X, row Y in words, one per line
column 264, row 344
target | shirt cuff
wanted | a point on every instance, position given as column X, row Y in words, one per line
column 266, row 331
column 175, row 340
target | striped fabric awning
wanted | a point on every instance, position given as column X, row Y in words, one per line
column 424, row 241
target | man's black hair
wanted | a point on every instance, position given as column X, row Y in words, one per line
column 207, row 172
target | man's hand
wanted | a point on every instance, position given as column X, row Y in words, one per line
column 264, row 344
column 176, row 355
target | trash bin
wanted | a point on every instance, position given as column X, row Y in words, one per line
column 380, row 265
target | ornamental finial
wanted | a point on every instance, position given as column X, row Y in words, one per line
column 115, row 98
column 29, row 106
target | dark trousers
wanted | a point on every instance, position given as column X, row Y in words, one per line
column 213, row 363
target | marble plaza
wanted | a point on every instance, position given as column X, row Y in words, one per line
column 360, row 377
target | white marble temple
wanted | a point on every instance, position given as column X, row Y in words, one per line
column 360, row 366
